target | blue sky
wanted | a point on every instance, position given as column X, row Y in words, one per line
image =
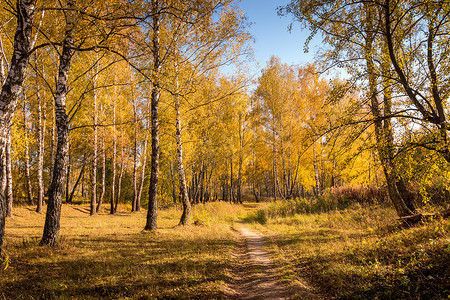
column 272, row 36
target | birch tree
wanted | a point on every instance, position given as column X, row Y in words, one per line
column 12, row 85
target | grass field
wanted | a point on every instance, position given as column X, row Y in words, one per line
column 356, row 253
column 111, row 257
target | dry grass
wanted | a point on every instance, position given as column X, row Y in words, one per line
column 356, row 253
column 362, row 253
column 110, row 257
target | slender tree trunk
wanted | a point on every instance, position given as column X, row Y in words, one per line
column 174, row 184
column 135, row 159
column 119, row 183
column 290, row 184
column 27, row 160
column 202, row 184
column 156, row 92
column 274, row 153
column 68, row 175
column 53, row 143
column 102, row 195
column 77, row 182
column 241, row 158
column 181, row 174
column 94, row 166
column 316, row 171
column 56, row 191
column 41, row 149
column 285, row 189
column 3, row 182
column 113, row 180
column 82, row 187
column 144, row 163
column 9, row 181
column 232, row 199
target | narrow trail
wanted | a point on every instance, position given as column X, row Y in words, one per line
column 256, row 277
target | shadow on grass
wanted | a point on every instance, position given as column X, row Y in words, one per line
column 134, row 267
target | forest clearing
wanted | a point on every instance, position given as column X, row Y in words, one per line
column 149, row 151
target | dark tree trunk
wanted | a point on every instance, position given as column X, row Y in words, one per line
column 68, row 175
column 383, row 135
column 156, row 92
column 56, row 191
column 201, row 178
column 113, row 181
column 231, row 180
column 12, row 87
column 76, row 183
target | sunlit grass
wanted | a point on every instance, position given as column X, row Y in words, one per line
column 109, row 256
column 361, row 252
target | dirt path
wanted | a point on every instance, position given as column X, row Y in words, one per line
column 256, row 277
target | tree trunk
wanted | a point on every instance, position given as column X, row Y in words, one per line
column 201, row 178
column 56, row 191
column 232, row 199
column 68, row 175
column 156, row 92
column 274, row 153
column 102, row 195
column 135, row 159
column 383, row 135
column 53, row 143
column 181, row 174
column 41, row 149
column 94, row 166
column 285, row 189
column 174, row 185
column 119, row 183
column 12, row 87
column 241, row 158
column 9, row 181
column 316, row 171
column 3, row 182
column 144, row 163
column 113, row 180
column 76, row 183
column 27, row 157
